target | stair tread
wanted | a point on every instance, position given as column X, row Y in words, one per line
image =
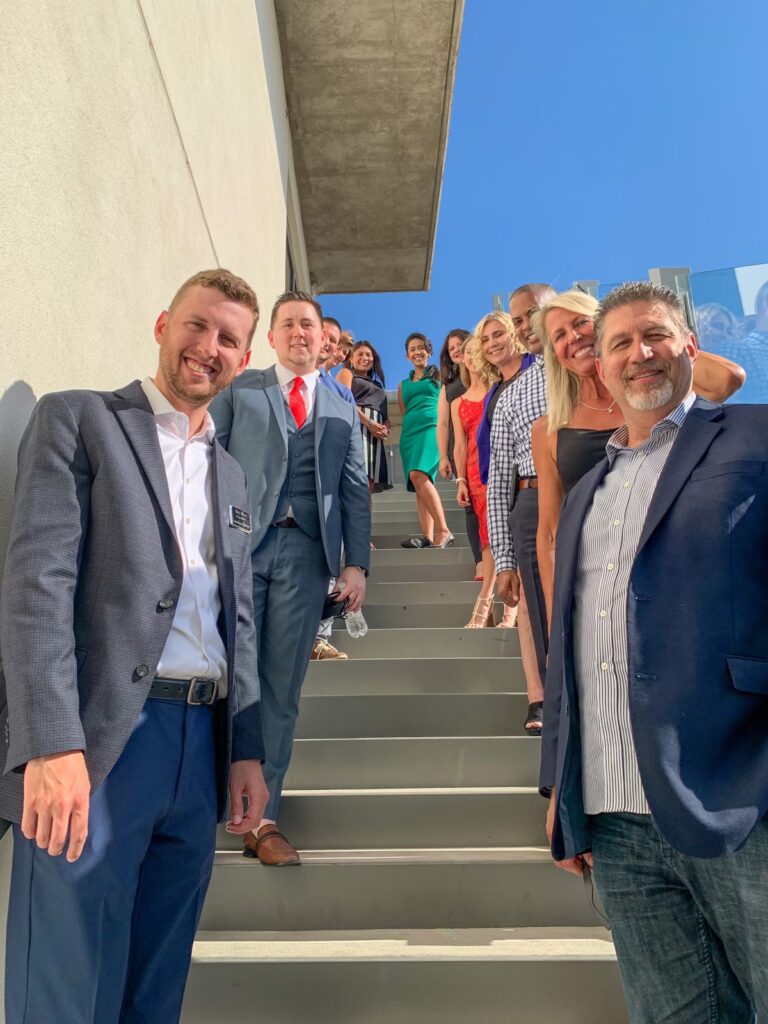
column 407, row 855
column 406, row 944
column 415, row 791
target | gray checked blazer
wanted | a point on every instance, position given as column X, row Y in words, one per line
column 250, row 423
column 92, row 575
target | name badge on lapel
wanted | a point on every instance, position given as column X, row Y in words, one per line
column 239, row 519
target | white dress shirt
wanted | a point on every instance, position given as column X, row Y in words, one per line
column 285, row 379
column 194, row 646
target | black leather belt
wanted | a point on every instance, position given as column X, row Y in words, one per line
column 197, row 690
column 289, row 523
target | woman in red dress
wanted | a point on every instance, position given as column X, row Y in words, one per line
column 466, row 413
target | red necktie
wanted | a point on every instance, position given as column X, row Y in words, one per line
column 296, row 403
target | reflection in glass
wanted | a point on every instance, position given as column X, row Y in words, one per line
column 731, row 314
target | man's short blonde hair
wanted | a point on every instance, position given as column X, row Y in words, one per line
column 234, row 287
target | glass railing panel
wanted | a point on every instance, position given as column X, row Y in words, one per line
column 730, row 309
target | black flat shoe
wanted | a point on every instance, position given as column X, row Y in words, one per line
column 416, row 542
column 535, row 719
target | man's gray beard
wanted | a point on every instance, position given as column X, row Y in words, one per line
column 649, row 398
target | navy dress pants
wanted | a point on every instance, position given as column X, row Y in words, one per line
column 108, row 939
column 290, row 584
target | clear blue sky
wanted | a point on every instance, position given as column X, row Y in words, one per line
column 589, row 140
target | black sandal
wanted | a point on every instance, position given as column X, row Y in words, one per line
column 535, row 719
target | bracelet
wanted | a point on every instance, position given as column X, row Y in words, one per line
column 461, row 480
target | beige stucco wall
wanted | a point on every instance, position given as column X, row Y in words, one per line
column 142, row 140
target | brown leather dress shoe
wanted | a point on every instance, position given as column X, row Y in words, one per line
column 271, row 847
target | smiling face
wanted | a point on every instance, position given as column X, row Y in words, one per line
column 362, row 359
column 496, row 343
column 297, row 336
column 454, row 349
column 573, row 340
column 646, row 358
column 203, row 346
column 417, row 353
column 521, row 309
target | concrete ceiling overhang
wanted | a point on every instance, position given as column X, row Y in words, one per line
column 368, row 85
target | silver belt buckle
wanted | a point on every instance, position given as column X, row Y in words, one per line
column 202, row 691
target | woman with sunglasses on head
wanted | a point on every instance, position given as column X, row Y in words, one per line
column 365, row 379
column 582, row 415
column 417, row 397
column 466, row 412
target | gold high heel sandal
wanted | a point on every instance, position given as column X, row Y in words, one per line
column 481, row 611
column 508, row 619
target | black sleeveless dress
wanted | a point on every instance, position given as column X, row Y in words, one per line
column 578, row 451
column 453, row 391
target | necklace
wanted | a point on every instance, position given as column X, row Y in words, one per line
column 594, row 408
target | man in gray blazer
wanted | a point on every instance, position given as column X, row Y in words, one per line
column 130, row 698
column 301, row 448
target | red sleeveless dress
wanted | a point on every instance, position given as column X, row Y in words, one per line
column 470, row 414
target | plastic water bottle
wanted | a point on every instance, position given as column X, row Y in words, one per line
column 356, row 624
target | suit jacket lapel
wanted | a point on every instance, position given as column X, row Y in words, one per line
column 322, row 404
column 700, row 428
column 221, row 545
column 135, row 415
column 274, row 393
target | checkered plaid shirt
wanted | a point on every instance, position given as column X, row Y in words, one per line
column 515, row 413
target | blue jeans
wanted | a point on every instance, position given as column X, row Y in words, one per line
column 691, row 935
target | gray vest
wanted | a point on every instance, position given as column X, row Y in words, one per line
column 299, row 490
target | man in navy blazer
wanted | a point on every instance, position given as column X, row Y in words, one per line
column 129, row 699
column 655, row 745
column 301, row 448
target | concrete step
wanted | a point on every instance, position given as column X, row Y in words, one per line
column 418, row 572
column 408, row 521
column 384, row 536
column 475, row 888
column 422, row 592
column 418, row 615
column 428, row 557
column 365, row 819
column 414, row 675
column 412, row 714
column 439, row 761
column 428, row 643
column 488, row 976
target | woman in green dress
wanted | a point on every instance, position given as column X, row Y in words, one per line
column 417, row 397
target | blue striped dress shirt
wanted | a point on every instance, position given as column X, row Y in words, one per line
column 609, row 539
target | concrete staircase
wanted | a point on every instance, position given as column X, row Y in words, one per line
column 426, row 893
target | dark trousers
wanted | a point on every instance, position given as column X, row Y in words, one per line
column 523, row 522
column 290, row 584
column 473, row 534
column 108, row 939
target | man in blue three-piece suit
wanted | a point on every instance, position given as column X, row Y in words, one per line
column 655, row 743
column 301, row 448
column 129, row 703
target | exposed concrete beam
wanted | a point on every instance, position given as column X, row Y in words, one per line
column 369, row 87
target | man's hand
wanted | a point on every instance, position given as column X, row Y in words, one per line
column 351, row 586
column 57, row 794
column 508, row 587
column 574, row 864
column 246, row 780
column 444, row 467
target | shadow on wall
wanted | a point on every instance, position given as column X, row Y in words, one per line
column 16, row 407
